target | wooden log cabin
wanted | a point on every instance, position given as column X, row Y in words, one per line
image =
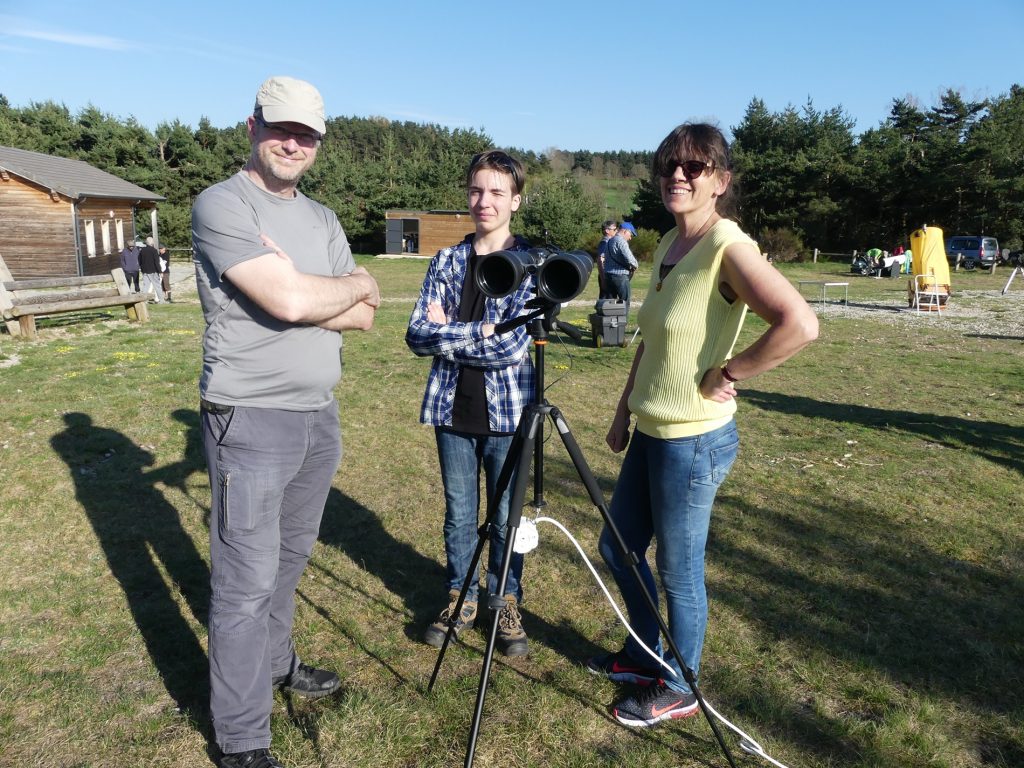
column 66, row 218
column 424, row 233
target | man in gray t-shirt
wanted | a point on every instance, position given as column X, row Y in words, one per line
column 277, row 284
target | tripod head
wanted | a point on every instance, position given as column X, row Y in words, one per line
column 542, row 320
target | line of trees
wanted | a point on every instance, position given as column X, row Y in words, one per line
column 804, row 177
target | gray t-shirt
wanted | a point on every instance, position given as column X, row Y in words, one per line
column 251, row 358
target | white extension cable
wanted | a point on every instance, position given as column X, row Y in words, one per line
column 527, row 539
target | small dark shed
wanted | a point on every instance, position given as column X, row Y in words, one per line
column 65, row 218
column 425, row 232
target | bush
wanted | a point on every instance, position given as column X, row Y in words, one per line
column 589, row 242
column 644, row 244
column 782, row 244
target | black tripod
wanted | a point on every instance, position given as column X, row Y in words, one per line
column 527, row 443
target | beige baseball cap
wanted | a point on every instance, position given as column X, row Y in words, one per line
column 287, row 100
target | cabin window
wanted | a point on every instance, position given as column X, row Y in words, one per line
column 90, row 238
column 119, row 231
column 105, row 234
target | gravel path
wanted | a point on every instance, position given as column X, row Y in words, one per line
column 971, row 312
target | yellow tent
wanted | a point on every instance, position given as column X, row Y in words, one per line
column 929, row 287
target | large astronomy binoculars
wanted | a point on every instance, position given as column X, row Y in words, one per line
column 560, row 275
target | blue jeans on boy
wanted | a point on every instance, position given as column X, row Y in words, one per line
column 665, row 490
column 462, row 455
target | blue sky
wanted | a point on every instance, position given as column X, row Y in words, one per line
column 567, row 74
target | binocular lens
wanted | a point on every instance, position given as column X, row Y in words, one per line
column 561, row 275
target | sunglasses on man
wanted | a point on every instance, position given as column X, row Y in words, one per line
column 305, row 139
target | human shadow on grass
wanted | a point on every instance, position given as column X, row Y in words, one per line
column 1000, row 443
column 140, row 533
column 192, row 462
column 416, row 579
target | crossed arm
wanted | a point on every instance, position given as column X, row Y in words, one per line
column 337, row 303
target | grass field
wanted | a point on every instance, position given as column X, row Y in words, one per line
column 865, row 566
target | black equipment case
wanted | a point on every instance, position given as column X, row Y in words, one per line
column 608, row 323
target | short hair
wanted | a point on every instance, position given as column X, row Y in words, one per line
column 502, row 162
column 149, row 240
column 610, row 223
column 697, row 141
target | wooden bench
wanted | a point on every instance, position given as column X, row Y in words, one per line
column 22, row 301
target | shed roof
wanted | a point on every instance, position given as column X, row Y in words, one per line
column 72, row 178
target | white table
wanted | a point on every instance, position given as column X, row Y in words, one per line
column 824, row 285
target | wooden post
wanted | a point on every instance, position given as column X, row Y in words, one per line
column 138, row 311
column 6, row 300
column 815, row 255
column 27, row 324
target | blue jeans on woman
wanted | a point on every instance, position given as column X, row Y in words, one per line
column 665, row 490
column 462, row 456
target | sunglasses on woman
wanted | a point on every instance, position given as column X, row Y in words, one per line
column 692, row 169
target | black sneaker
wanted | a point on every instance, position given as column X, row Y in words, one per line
column 308, row 681
column 649, row 706
column 620, row 668
column 254, row 758
column 511, row 640
column 436, row 632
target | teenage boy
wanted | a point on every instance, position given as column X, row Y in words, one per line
column 478, row 384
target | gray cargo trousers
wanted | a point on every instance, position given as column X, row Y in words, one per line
column 270, row 473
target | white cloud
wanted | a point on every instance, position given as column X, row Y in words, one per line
column 15, row 26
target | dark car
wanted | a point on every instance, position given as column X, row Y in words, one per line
column 972, row 251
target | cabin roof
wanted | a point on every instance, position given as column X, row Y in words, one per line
column 72, row 178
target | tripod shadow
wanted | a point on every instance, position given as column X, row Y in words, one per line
column 362, row 536
column 416, row 579
column 131, row 518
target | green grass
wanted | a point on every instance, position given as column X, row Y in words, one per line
column 617, row 197
column 864, row 568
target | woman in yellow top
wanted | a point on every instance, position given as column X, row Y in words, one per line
column 682, row 390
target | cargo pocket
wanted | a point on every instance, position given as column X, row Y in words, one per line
column 248, row 500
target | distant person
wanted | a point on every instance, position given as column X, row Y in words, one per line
column 620, row 264
column 165, row 271
column 149, row 263
column 900, row 251
column 608, row 230
column 682, row 390
column 277, row 283
column 478, row 384
column 130, row 265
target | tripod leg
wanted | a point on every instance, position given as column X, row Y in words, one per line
column 504, row 477
column 1010, row 280
column 530, row 423
column 590, row 482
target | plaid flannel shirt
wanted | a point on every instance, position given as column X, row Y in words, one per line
column 505, row 359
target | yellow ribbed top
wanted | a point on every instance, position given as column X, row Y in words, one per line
column 688, row 327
